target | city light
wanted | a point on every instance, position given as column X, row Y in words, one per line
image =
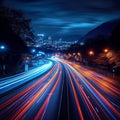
column 82, row 43
column 42, row 35
column 74, row 53
column 106, row 50
column 2, row 47
column 91, row 53
column 78, row 54
column 33, row 50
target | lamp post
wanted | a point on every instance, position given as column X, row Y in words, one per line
column 33, row 51
column 90, row 59
column 2, row 47
column 2, row 50
column 106, row 50
column 91, row 52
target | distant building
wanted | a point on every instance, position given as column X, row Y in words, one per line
column 50, row 41
column 58, row 44
column 39, row 40
column 62, row 45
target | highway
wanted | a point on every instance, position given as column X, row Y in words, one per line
column 59, row 90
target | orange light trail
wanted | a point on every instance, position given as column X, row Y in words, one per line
column 105, row 84
column 27, row 105
column 41, row 112
column 76, row 98
column 13, row 99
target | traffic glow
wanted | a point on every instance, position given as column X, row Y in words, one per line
column 92, row 95
column 9, row 83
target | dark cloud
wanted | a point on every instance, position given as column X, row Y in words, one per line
column 64, row 17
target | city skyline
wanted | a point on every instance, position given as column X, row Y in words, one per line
column 48, row 41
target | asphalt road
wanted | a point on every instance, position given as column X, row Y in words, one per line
column 62, row 90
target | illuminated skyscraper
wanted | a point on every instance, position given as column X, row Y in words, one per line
column 40, row 39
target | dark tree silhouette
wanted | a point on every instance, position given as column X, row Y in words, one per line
column 14, row 32
column 115, row 38
column 17, row 22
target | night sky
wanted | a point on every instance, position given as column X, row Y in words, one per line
column 66, row 17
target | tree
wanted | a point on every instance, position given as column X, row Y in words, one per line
column 13, row 31
column 114, row 40
column 17, row 22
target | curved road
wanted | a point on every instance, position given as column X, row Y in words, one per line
column 61, row 90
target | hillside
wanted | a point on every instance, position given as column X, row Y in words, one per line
column 104, row 29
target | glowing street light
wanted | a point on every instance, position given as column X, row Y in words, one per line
column 2, row 47
column 3, row 50
column 106, row 50
column 91, row 53
column 33, row 50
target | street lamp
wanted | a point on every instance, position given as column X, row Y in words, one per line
column 2, row 57
column 2, row 47
column 105, row 50
column 91, row 53
column 33, row 51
